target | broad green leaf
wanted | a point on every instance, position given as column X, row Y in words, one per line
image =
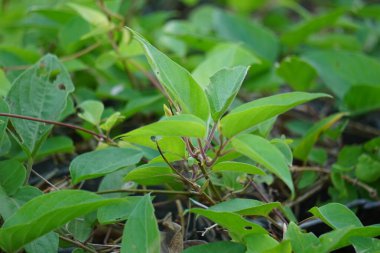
column 5, row 85
column 336, row 216
column 177, row 81
column 250, row 114
column 41, row 92
column 141, row 232
column 262, row 151
column 81, row 227
column 341, row 237
column 177, row 125
column 283, row 145
column 301, row 31
column 238, row 167
column 12, row 176
column 341, row 70
column 259, row 243
column 46, row 213
column 237, row 226
column 119, row 211
column 220, row 247
column 367, row 169
column 222, row 90
column 111, row 121
column 254, row 36
column 245, row 207
column 365, row 245
column 303, row 148
column 151, row 174
column 92, row 111
column 282, row 247
column 362, row 98
column 226, row 55
column 101, row 162
column 301, row 242
column 297, row 73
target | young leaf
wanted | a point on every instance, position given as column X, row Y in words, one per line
column 40, row 92
column 257, row 111
column 237, row 226
column 303, row 148
column 46, row 213
column 262, row 151
column 177, row 81
column 259, row 243
column 177, row 125
column 301, row 242
column 92, row 111
column 119, row 211
column 238, row 167
column 101, row 162
column 12, row 176
column 245, row 207
column 222, row 90
column 226, row 55
column 365, row 245
column 336, row 216
column 151, row 174
column 220, row 247
column 141, row 232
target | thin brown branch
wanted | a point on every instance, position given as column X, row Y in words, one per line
column 154, row 191
column 76, row 243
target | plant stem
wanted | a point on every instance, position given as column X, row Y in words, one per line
column 149, row 191
column 210, row 136
column 78, row 244
column 101, row 137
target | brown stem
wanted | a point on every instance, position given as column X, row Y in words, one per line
column 154, row 191
column 57, row 123
column 78, row 244
column 210, row 136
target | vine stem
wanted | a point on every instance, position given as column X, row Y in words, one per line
column 101, row 137
column 78, row 244
column 149, row 191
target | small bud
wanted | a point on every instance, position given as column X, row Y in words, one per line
column 168, row 112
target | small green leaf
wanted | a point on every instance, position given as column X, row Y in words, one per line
column 301, row 242
column 222, row 90
column 262, row 151
column 119, row 211
column 367, row 169
column 92, row 111
column 259, row 243
column 220, row 247
column 177, row 125
column 12, row 176
column 141, row 232
column 151, row 174
column 46, row 213
column 5, row 85
column 303, row 148
column 111, row 121
column 237, row 226
column 238, row 167
column 250, row 114
column 41, row 92
column 336, row 216
column 245, row 207
column 48, row 243
column 101, row 162
column 177, row 81
column 365, row 245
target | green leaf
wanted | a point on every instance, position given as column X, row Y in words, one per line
column 46, row 213
column 365, row 245
column 12, row 176
column 336, row 216
column 301, row 31
column 119, row 211
column 41, row 92
column 303, row 148
column 237, row 226
column 237, row 167
column 81, row 227
column 177, row 81
column 111, row 121
column 259, row 243
column 177, row 125
column 341, row 70
column 220, row 247
column 262, row 151
column 250, row 114
column 367, row 169
column 151, row 174
column 226, row 55
column 301, row 242
column 362, row 98
column 101, row 162
column 222, row 90
column 92, row 111
column 245, row 207
column 141, row 232
column 5, row 85
column 48, row 244
column 297, row 73
column 259, row 39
